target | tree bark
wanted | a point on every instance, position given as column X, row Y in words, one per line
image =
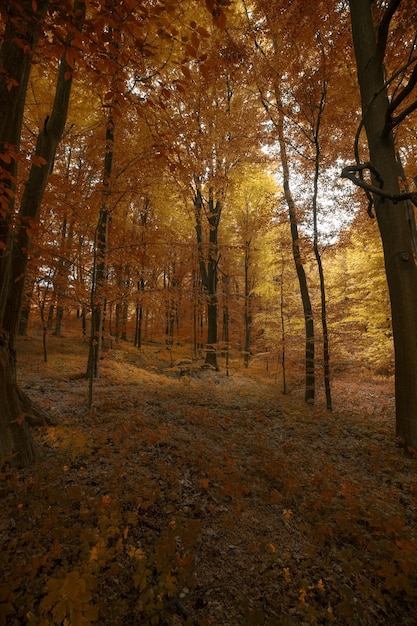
column 400, row 266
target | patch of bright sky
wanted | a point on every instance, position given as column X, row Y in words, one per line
column 337, row 201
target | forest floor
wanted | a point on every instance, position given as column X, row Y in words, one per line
column 188, row 496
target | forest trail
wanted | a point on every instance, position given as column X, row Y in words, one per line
column 207, row 499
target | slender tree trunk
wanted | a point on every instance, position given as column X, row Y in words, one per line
column 98, row 299
column 196, row 311
column 97, row 296
column 125, row 311
column 392, row 217
column 326, row 348
column 208, row 269
column 139, row 313
column 226, row 318
column 299, row 267
column 282, row 321
column 248, row 307
column 63, row 267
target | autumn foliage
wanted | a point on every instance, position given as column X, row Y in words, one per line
column 207, row 216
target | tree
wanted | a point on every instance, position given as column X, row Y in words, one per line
column 271, row 81
column 23, row 31
column 252, row 203
column 208, row 126
column 382, row 112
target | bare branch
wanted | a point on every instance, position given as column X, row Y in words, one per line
column 399, row 118
column 400, row 98
column 350, row 172
column 384, row 27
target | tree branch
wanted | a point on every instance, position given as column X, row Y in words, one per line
column 384, row 27
column 350, row 172
column 399, row 118
column 390, row 121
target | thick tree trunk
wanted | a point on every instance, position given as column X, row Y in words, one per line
column 14, row 412
column 392, row 218
column 16, row 440
column 47, row 143
column 20, row 40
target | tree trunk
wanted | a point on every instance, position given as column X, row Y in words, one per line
column 21, row 35
column 100, row 264
column 16, row 440
column 14, row 412
column 46, row 146
column 326, row 344
column 248, row 307
column 208, row 270
column 299, row 267
column 282, row 322
column 64, row 263
column 97, row 295
column 392, row 218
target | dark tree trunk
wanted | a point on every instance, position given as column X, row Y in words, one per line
column 125, row 311
column 20, row 40
column 326, row 343
column 248, row 307
column 226, row 319
column 100, row 264
column 208, row 263
column 392, row 217
column 282, row 321
column 15, row 60
column 299, row 267
column 16, row 440
column 97, row 294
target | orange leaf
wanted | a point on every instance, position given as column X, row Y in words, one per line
column 38, row 161
column 204, row 482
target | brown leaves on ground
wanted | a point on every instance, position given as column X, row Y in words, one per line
column 206, row 499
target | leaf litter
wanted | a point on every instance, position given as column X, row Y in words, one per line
column 206, row 499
